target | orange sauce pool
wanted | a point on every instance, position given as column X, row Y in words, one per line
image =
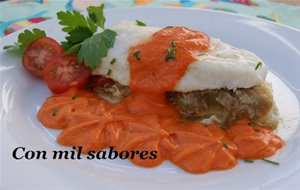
column 145, row 120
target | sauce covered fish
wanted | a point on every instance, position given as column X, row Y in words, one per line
column 179, row 92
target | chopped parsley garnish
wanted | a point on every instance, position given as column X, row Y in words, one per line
column 140, row 23
column 109, row 72
column 266, row 160
column 271, row 162
column 113, row 61
column 54, row 112
column 252, row 123
column 173, row 43
column 74, row 97
column 259, row 64
column 137, row 55
column 256, row 130
column 249, row 161
column 170, row 54
column 224, row 144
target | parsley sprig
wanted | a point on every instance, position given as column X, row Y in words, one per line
column 96, row 47
column 24, row 39
column 81, row 38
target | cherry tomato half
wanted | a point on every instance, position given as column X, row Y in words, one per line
column 40, row 52
column 64, row 73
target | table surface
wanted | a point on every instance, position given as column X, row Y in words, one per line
column 18, row 14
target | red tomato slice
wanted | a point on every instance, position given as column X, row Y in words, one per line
column 40, row 52
column 65, row 72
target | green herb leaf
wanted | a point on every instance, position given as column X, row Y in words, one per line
column 256, row 130
column 11, row 46
column 113, row 61
column 140, row 23
column 252, row 123
column 224, row 144
column 78, row 28
column 92, row 25
column 76, row 36
column 24, row 39
column 79, row 35
column 71, row 50
column 271, row 162
column 54, row 112
column 27, row 37
column 137, row 55
column 109, row 72
column 14, row 49
column 81, row 40
column 93, row 49
column 170, row 54
column 259, row 64
column 96, row 15
column 66, row 45
column 74, row 97
column 249, row 161
column 72, row 20
column 14, row 46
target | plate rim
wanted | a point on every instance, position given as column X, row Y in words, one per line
column 116, row 9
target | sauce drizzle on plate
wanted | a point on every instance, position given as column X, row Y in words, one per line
column 146, row 121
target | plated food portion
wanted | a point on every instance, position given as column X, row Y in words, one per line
column 191, row 98
column 221, row 84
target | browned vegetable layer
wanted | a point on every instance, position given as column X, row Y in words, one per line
column 220, row 105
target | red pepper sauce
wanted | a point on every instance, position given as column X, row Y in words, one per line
column 145, row 120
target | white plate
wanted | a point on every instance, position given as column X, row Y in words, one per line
column 22, row 95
